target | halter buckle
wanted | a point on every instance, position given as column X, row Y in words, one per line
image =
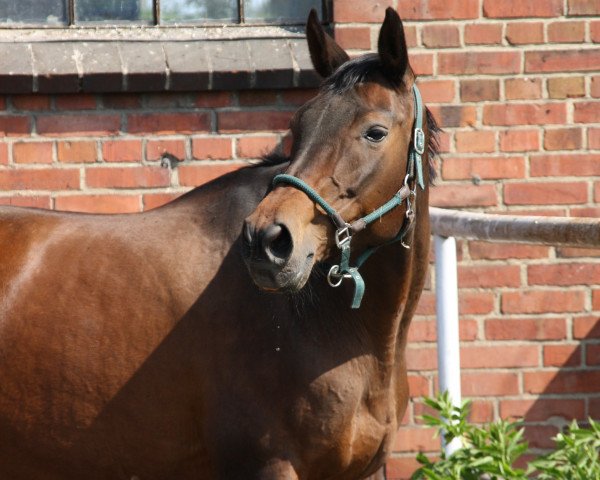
column 419, row 141
column 343, row 236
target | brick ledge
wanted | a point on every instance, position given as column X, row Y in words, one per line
column 101, row 66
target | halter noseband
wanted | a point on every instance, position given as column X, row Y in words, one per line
column 345, row 231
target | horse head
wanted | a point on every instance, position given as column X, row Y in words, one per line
column 350, row 155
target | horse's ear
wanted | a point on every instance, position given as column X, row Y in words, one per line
column 392, row 45
column 326, row 55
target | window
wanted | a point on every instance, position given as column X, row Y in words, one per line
column 57, row 13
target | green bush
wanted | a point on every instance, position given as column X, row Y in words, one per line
column 491, row 451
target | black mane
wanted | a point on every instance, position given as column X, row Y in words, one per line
column 348, row 76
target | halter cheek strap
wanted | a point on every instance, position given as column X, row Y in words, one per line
column 345, row 231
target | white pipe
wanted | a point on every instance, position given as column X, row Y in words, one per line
column 446, row 293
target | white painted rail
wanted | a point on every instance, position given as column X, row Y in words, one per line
column 447, row 224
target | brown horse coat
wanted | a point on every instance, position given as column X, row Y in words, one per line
column 139, row 345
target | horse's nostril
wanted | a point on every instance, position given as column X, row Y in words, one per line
column 277, row 242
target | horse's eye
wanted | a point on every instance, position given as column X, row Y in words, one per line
column 376, row 134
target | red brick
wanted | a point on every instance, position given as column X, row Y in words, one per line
column 77, row 152
column 566, row 32
column 216, row 99
column 127, row 177
column 353, row 37
column 360, row 10
column 564, row 274
column 155, row 200
column 168, row 100
column 11, row 125
column 562, row 165
column 494, row 357
column 422, row 63
column 562, row 355
column 98, row 203
column 212, row 148
column 32, row 152
column 570, row 382
column 435, row 9
column 481, row 411
column 596, row 299
column 122, row 151
column 595, row 31
column 454, row 115
column 298, row 96
column 425, row 330
column 253, row 120
column 572, row 252
column 31, row 102
column 504, row 251
column 483, row 34
column 477, row 63
column 520, row 9
column 463, row 196
column 440, row 36
column 542, row 409
column 416, row 439
column 520, row 33
column 254, row 98
column 157, row 149
column 121, row 101
column 543, row 301
column 566, row 87
column 420, row 359
column 489, row 384
column 418, row 385
column 476, row 141
column 168, row 123
column 563, row 60
column 563, row 139
column 593, row 138
column 194, row 175
column 3, row 154
column 255, row 147
column 540, row 436
column 35, row 201
column 519, row 140
column 88, row 124
column 401, row 467
column 79, row 101
column 39, row 179
column 475, row 303
column 525, row 329
column 524, row 114
column 588, row 327
column 523, row 88
column 489, row 276
column 583, row 7
column 435, row 91
column 410, row 35
column 547, row 193
column 478, row 90
column 587, row 112
column 592, row 355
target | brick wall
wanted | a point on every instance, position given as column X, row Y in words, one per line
column 516, row 86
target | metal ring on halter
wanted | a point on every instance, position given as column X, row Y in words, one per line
column 333, row 273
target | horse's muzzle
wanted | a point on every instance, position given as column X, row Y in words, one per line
column 268, row 253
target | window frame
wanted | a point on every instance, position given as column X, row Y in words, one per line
column 71, row 24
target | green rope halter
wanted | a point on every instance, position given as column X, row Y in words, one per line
column 345, row 231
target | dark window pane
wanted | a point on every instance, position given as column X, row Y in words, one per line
column 204, row 11
column 279, row 10
column 33, row 11
column 113, row 10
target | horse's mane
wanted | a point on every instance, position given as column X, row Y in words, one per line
column 346, row 77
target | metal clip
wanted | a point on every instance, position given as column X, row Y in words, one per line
column 419, row 141
column 334, row 278
column 343, row 236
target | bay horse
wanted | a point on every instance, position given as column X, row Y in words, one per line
column 201, row 340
